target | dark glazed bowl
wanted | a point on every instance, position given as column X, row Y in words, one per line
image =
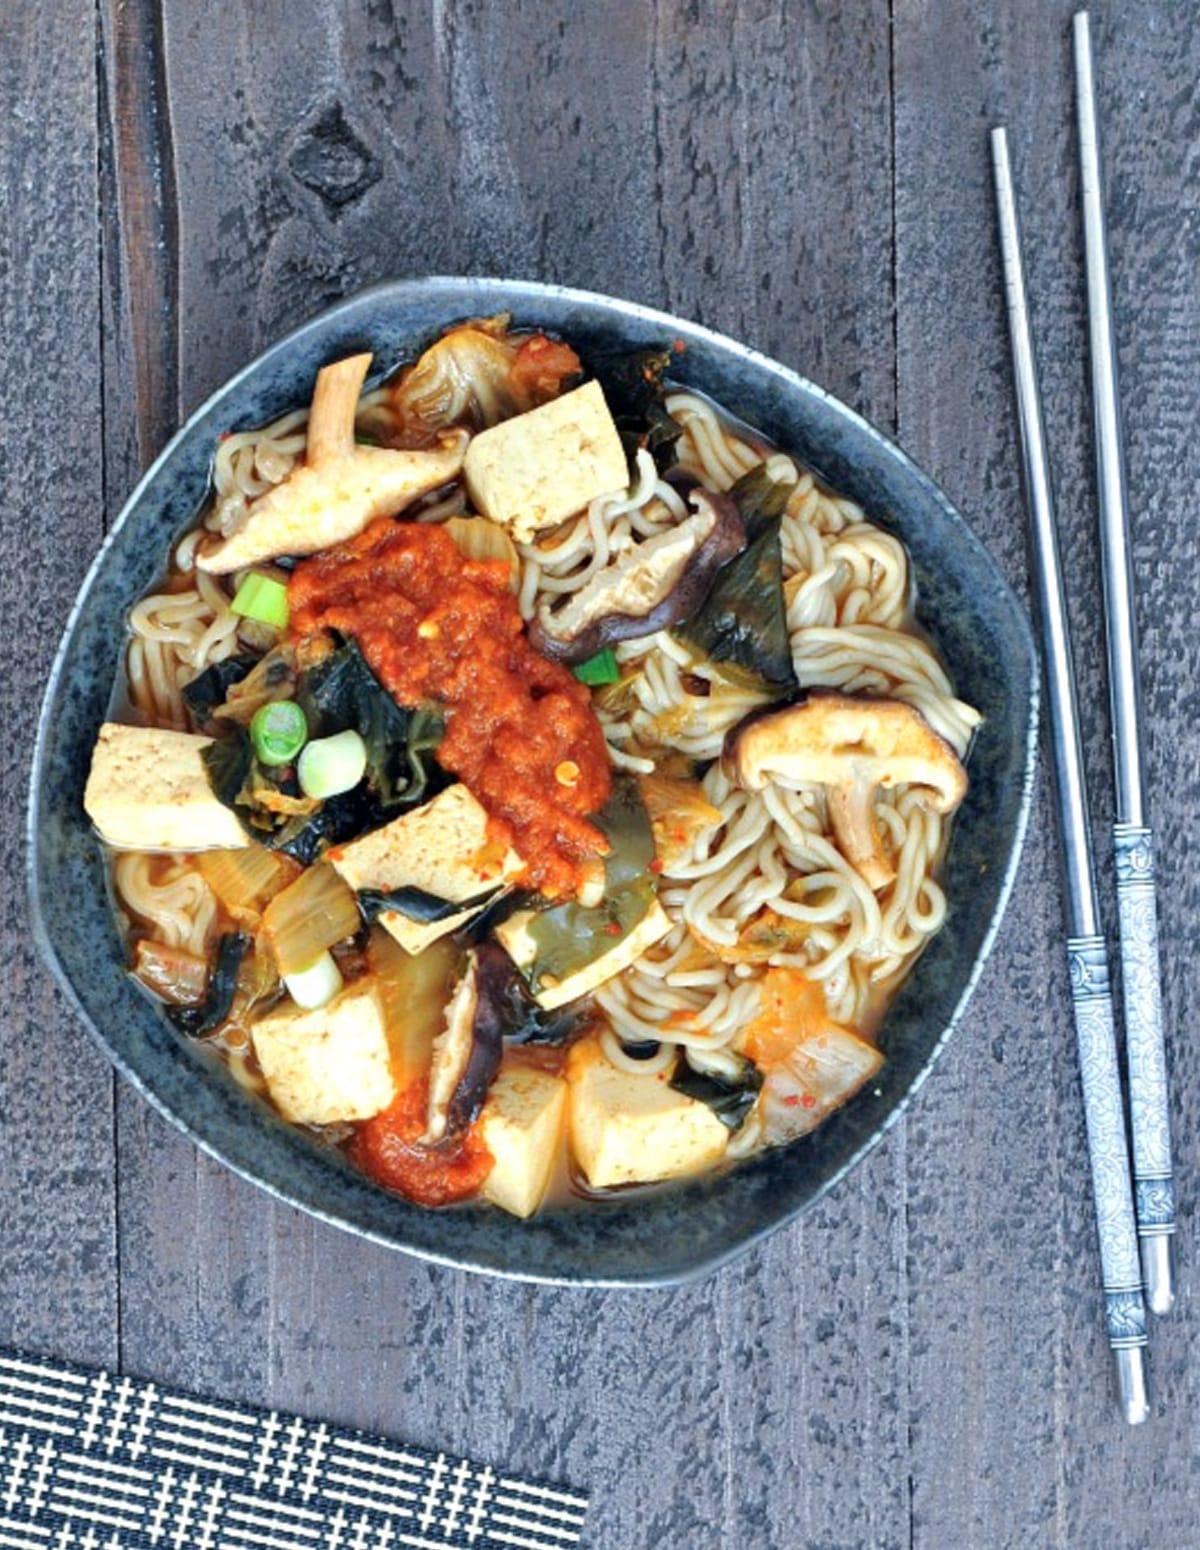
column 962, row 600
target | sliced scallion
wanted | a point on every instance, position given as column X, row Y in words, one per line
column 331, row 765
column 278, row 732
column 600, row 669
column 316, row 985
column 262, row 598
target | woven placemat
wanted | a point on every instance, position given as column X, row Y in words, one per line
column 93, row 1461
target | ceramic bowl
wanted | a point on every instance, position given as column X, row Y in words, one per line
column 663, row 1237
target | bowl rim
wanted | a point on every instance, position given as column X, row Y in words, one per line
column 525, row 293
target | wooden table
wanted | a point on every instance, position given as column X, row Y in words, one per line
column 920, row 1361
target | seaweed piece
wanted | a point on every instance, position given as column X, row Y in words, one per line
column 342, row 692
column 641, row 1049
column 744, row 619
column 337, row 820
column 211, row 687
column 426, row 728
column 760, row 499
column 635, row 390
column 199, row 1021
column 339, row 693
column 416, row 904
column 243, row 785
column 525, row 1022
column 729, row 1101
column 507, row 902
column 228, row 761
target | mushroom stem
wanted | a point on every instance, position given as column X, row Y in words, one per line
column 334, row 402
column 852, row 816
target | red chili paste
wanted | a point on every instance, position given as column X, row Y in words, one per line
column 388, row 1149
column 520, row 731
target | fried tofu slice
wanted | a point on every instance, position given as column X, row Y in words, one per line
column 339, row 488
column 518, row 942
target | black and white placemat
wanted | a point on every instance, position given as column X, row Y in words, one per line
column 92, row 1461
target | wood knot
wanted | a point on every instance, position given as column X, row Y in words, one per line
column 332, row 160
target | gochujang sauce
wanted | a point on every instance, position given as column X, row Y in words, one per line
column 436, row 626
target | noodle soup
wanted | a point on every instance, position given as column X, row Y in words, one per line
column 532, row 781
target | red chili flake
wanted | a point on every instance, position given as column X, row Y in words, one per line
column 790, row 1101
column 612, row 929
column 680, row 346
column 808, row 1101
column 656, row 865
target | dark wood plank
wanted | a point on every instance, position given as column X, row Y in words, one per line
column 139, row 215
column 194, row 1224
column 1147, row 62
column 983, row 1214
column 470, row 146
column 56, row 1122
column 1015, row 1438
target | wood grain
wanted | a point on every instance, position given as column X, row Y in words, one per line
column 920, row 1362
column 1027, row 1447
column 56, row 1124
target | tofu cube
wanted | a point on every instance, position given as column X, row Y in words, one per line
column 626, row 1128
column 441, row 848
column 514, row 936
column 521, row 1125
column 148, row 790
column 331, row 1064
column 538, row 469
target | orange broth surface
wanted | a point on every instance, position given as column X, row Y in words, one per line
column 436, row 626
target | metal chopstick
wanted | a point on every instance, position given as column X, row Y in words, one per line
column 1087, row 957
column 1154, row 1186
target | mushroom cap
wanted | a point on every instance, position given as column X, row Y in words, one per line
column 648, row 587
column 466, row 1054
column 845, row 740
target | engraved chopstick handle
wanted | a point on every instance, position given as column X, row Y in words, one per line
column 1141, row 985
column 1124, row 1307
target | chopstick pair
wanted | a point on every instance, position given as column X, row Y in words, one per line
column 1143, row 1210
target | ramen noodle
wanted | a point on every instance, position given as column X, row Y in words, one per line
column 532, row 781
